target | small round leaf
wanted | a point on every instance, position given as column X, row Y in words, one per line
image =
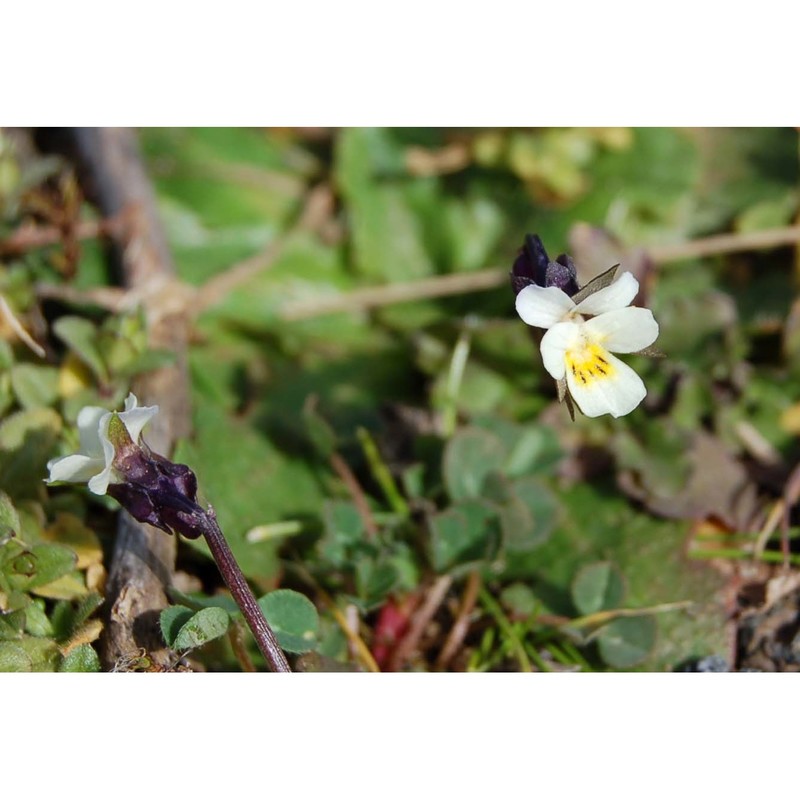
column 293, row 619
column 468, row 458
column 597, row 587
column 627, row 641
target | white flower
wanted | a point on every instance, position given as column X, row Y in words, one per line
column 579, row 349
column 95, row 463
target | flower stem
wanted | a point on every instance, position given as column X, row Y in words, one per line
column 242, row 593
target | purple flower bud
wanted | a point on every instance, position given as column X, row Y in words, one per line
column 532, row 266
column 150, row 487
column 160, row 493
column 562, row 273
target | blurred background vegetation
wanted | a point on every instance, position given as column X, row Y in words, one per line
column 371, row 419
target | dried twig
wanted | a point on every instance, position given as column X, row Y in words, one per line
column 372, row 297
column 32, row 237
column 461, row 624
column 7, row 316
column 420, row 621
column 342, row 469
column 492, row 278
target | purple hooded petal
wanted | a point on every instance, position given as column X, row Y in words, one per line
column 533, row 267
column 530, row 266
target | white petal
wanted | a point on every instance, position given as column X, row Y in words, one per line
column 136, row 418
column 625, row 330
column 542, row 307
column 131, row 402
column 617, row 392
column 89, row 419
column 99, row 483
column 76, row 468
column 616, row 295
column 561, row 337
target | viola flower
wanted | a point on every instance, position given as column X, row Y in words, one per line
column 95, row 463
column 113, row 460
column 583, row 330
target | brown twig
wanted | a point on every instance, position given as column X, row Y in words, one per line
column 723, row 243
column 461, row 624
column 376, row 296
column 32, row 237
column 421, row 619
column 493, row 277
column 312, row 217
column 342, row 469
column 236, row 637
column 457, row 283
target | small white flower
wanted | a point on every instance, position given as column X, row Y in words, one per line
column 579, row 349
column 94, row 464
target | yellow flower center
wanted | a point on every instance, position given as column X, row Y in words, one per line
column 588, row 363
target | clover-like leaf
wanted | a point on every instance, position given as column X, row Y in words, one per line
column 627, row 641
column 293, row 619
column 468, row 458
column 597, row 587
column 184, row 629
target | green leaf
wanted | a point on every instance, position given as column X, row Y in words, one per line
column 468, row 458
column 205, row 625
column 67, row 617
column 344, row 529
column 474, row 227
column 13, row 658
column 195, row 602
column 40, row 565
column 376, row 578
column 464, row 533
column 82, row 658
column 599, row 524
column 293, row 619
column 520, row 599
column 597, row 587
column 36, row 620
column 528, row 511
column 627, row 641
column 533, row 449
column 171, row 620
column 387, row 236
column 9, row 519
column 249, row 481
column 27, row 441
column 29, row 654
column 34, row 385
column 80, row 335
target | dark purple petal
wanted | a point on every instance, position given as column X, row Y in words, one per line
column 156, row 491
column 530, row 266
column 562, row 273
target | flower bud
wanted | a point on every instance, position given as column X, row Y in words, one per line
column 532, row 267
